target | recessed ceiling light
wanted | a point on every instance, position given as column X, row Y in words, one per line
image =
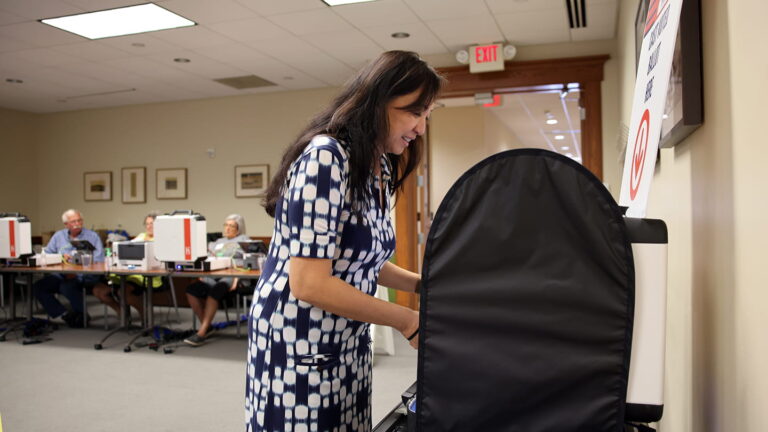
column 182, row 60
column 559, row 137
column 564, row 148
column 121, row 21
column 551, row 121
column 400, row 35
column 570, row 155
column 138, row 45
column 343, row 2
column 14, row 81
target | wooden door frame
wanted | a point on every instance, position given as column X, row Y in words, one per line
column 587, row 71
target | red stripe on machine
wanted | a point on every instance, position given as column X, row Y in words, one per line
column 12, row 237
column 187, row 239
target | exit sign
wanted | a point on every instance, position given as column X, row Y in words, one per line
column 486, row 58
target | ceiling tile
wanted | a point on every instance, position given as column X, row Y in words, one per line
column 248, row 30
column 98, row 5
column 457, row 34
column 421, row 39
column 192, row 37
column 284, row 75
column 8, row 43
column 35, row 10
column 10, row 18
column 39, row 34
column 146, row 67
column 274, row 7
column 311, row 22
column 41, row 56
column 207, row 11
column 601, row 22
column 376, row 13
column 234, row 53
column 509, row 6
column 199, row 64
column 306, row 58
column 441, row 9
column 535, row 27
column 351, row 47
column 92, row 50
column 139, row 44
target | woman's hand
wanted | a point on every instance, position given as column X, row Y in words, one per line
column 411, row 330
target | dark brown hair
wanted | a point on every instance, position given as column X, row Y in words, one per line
column 358, row 117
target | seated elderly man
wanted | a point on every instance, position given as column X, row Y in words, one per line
column 70, row 285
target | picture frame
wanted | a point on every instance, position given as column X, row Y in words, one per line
column 97, row 186
column 171, row 183
column 251, row 180
column 684, row 106
column 133, row 185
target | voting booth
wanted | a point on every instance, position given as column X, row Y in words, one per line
column 542, row 305
column 16, row 243
column 15, row 236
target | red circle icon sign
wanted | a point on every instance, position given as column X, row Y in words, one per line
column 638, row 156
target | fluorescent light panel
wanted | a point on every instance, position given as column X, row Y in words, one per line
column 119, row 22
column 343, row 2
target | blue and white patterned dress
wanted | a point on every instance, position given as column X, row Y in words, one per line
column 310, row 370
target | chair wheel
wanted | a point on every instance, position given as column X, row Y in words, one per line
column 168, row 350
column 127, row 349
column 2, row 338
column 97, row 347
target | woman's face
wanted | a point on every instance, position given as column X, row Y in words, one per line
column 149, row 226
column 405, row 124
column 230, row 229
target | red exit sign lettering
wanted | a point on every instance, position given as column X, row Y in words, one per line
column 486, row 58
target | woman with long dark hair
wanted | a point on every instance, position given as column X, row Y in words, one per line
column 309, row 344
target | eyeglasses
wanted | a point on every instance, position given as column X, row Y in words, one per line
column 230, row 225
column 75, row 221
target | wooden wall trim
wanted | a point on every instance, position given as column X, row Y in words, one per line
column 524, row 73
column 406, row 246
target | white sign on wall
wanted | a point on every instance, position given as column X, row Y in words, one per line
column 654, row 67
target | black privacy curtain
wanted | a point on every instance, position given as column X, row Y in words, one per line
column 527, row 301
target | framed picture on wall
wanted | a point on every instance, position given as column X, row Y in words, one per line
column 97, row 186
column 251, row 180
column 171, row 183
column 134, row 185
column 684, row 107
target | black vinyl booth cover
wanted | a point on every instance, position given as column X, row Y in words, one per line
column 527, row 301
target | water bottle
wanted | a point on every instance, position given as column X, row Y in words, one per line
column 108, row 257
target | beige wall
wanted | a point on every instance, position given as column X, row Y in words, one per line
column 457, row 141
column 749, row 88
column 709, row 191
column 243, row 130
column 18, row 174
column 459, row 138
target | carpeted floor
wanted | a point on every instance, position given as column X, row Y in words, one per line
column 65, row 385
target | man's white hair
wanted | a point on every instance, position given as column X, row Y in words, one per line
column 66, row 214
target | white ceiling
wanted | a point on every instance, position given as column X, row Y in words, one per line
column 297, row 44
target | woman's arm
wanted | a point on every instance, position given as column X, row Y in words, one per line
column 311, row 280
column 398, row 278
column 234, row 284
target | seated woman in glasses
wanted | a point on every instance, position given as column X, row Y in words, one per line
column 205, row 294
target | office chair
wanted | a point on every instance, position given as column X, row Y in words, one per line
column 528, row 306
